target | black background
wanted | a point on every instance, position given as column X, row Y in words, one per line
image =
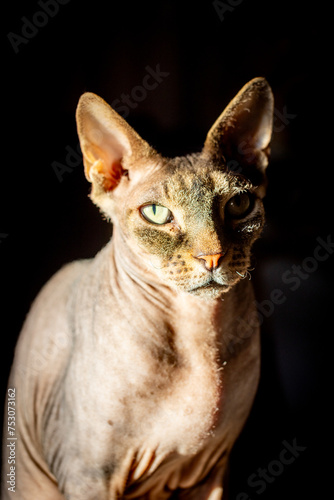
column 105, row 47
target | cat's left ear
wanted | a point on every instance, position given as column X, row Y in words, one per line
column 109, row 145
column 242, row 133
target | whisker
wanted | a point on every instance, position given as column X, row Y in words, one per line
column 247, row 274
column 155, row 267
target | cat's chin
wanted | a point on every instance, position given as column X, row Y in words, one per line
column 212, row 290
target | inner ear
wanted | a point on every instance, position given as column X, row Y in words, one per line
column 107, row 141
column 243, row 131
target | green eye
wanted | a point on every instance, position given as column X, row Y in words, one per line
column 239, row 206
column 157, row 214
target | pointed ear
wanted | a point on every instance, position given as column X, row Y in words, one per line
column 242, row 133
column 109, row 145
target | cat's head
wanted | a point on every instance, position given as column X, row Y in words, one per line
column 191, row 219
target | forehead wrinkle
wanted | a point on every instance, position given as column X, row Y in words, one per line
column 185, row 188
column 150, row 196
column 190, row 193
column 191, row 183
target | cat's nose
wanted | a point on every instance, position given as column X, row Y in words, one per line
column 211, row 262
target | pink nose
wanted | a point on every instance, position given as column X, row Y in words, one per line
column 211, row 262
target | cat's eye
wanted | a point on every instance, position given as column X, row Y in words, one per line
column 156, row 214
column 239, row 206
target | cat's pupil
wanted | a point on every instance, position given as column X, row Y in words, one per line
column 239, row 205
column 238, row 200
column 156, row 214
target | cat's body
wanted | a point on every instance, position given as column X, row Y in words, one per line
column 136, row 371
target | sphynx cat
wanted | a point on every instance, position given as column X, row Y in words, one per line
column 135, row 371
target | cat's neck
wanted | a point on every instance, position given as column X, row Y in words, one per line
column 156, row 311
column 134, row 277
column 132, row 274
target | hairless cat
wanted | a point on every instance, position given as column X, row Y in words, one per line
column 134, row 372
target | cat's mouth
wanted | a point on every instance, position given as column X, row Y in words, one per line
column 211, row 288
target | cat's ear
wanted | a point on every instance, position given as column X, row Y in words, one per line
column 242, row 133
column 109, row 145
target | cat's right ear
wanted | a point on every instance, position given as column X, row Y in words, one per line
column 108, row 144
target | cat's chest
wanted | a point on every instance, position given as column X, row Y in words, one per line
column 187, row 411
column 174, row 412
column 175, row 389
column 163, row 392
